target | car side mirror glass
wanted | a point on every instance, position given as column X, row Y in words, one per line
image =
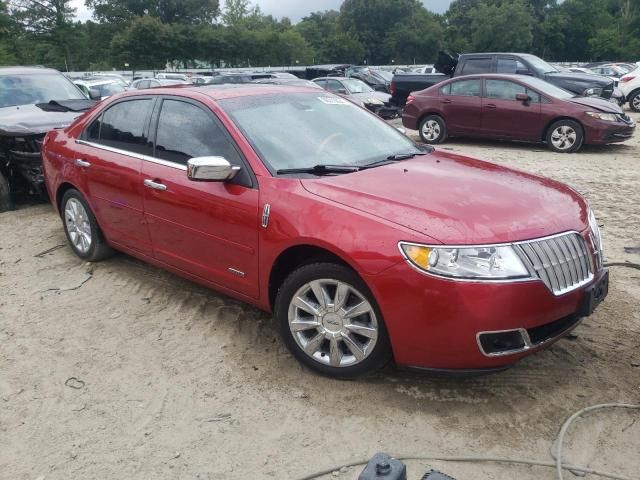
column 523, row 97
column 94, row 94
column 211, row 169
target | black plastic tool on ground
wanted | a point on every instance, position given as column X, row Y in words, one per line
column 384, row 467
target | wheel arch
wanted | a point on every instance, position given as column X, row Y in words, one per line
column 296, row 256
column 429, row 114
column 545, row 131
column 62, row 189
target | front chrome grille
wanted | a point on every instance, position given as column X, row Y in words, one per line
column 562, row 262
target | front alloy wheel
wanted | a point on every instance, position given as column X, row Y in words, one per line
column 565, row 136
column 333, row 323
column 330, row 321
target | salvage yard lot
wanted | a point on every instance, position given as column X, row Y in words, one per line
column 121, row 370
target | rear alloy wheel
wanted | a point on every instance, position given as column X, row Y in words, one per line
column 433, row 130
column 82, row 230
column 634, row 101
column 330, row 322
column 565, row 136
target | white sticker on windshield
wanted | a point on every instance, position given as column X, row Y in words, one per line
column 334, row 101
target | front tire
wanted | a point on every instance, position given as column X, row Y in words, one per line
column 634, row 101
column 6, row 203
column 330, row 321
column 433, row 129
column 565, row 136
column 81, row 227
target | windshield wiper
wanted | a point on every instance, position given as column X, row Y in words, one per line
column 398, row 157
column 319, row 170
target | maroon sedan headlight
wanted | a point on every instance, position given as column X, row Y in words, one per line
column 607, row 117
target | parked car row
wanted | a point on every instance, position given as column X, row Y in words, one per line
column 358, row 240
column 506, row 63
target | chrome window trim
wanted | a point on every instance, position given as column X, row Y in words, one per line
column 139, row 156
column 533, row 276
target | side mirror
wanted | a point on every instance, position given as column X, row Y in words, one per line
column 341, row 91
column 210, row 169
column 94, row 94
column 523, row 97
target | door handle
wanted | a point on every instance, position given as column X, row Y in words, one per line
column 445, row 101
column 491, row 105
column 155, row 185
column 82, row 163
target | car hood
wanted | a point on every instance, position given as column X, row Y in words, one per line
column 598, row 104
column 584, row 78
column 457, row 200
column 363, row 97
column 32, row 120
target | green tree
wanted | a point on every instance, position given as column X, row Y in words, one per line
column 505, row 27
column 168, row 11
column 144, row 44
column 417, row 41
column 371, row 20
column 50, row 22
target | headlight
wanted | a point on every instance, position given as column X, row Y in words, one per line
column 593, row 92
column 608, row 117
column 595, row 232
column 472, row 263
column 374, row 101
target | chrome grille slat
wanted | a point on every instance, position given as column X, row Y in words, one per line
column 562, row 262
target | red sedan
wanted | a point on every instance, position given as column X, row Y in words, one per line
column 514, row 107
column 365, row 246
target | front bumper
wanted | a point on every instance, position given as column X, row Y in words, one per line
column 598, row 132
column 435, row 323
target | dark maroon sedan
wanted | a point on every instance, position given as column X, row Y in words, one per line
column 509, row 107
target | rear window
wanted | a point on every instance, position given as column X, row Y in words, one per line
column 466, row 88
column 122, row 126
column 477, row 65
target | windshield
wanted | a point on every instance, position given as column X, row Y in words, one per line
column 388, row 76
column 548, row 89
column 356, row 86
column 539, row 65
column 29, row 89
column 301, row 130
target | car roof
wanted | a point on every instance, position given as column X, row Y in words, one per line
column 221, row 92
column 27, row 70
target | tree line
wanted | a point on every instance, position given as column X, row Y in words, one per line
column 147, row 34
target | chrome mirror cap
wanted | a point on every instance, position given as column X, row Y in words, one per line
column 211, row 169
column 402, row 130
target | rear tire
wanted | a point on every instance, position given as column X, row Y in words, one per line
column 565, row 136
column 330, row 321
column 6, row 203
column 81, row 227
column 634, row 101
column 433, row 129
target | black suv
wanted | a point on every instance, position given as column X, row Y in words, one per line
column 32, row 101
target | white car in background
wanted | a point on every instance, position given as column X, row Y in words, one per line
column 104, row 86
column 630, row 87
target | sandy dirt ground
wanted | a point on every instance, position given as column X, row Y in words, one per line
column 119, row 370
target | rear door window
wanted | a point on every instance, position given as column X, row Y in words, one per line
column 506, row 90
column 477, row 65
column 334, row 86
column 466, row 88
column 512, row 66
column 123, row 126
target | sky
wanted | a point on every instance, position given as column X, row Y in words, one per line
column 294, row 9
